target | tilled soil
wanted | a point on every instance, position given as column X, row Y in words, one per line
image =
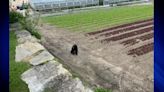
column 126, row 29
column 134, row 40
column 115, row 38
column 142, row 50
column 111, row 64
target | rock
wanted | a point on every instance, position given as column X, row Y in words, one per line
column 15, row 26
column 22, row 33
column 73, row 85
column 26, row 50
column 38, row 76
column 24, row 36
column 41, row 58
column 25, row 39
column 52, row 77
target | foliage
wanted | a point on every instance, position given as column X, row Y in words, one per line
column 102, row 90
column 100, row 18
column 16, row 69
column 36, row 34
column 101, row 2
column 25, row 6
column 29, row 23
column 15, row 17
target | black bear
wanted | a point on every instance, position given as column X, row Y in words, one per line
column 74, row 50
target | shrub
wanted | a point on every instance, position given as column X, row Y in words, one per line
column 36, row 34
column 102, row 90
column 29, row 23
column 25, row 6
column 15, row 17
column 101, row 2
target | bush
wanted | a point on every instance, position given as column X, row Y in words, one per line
column 15, row 17
column 36, row 34
column 102, row 90
column 101, row 2
column 29, row 23
column 25, row 6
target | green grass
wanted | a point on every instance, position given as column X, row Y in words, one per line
column 102, row 90
column 94, row 20
column 16, row 69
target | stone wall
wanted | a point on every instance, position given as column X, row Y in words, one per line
column 46, row 74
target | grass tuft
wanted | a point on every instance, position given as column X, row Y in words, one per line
column 102, row 90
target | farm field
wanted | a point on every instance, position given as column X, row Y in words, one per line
column 125, row 51
column 94, row 20
column 128, row 35
column 115, row 46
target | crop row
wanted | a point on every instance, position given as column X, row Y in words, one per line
column 120, row 26
column 142, row 50
column 126, row 35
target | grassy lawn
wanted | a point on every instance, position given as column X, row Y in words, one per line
column 98, row 19
column 16, row 69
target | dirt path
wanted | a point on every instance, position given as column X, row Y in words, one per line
column 100, row 64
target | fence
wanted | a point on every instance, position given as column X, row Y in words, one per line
column 61, row 4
